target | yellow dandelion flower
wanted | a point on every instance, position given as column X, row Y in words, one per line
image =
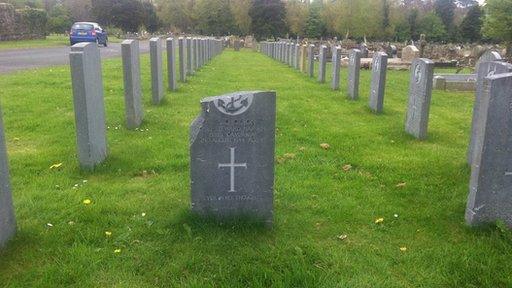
column 108, row 233
column 403, row 249
column 117, row 251
column 379, row 220
column 87, row 201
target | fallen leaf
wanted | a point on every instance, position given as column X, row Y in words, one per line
column 108, row 233
column 289, row 155
column 401, row 184
column 55, row 166
column 117, row 251
column 325, row 146
column 342, row 237
column 379, row 220
column 346, row 167
column 87, row 201
column 403, row 249
column 302, row 148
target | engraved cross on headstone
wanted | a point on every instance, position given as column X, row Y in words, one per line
column 232, row 165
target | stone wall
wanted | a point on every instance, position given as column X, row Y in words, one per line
column 18, row 24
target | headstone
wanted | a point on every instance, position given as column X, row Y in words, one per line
column 489, row 196
column 232, row 156
column 420, row 93
column 354, row 66
column 196, row 53
column 378, row 84
column 171, row 64
column 409, row 53
column 237, row 44
column 132, row 90
column 322, row 64
column 296, row 58
column 488, row 56
column 303, row 58
column 292, row 54
column 364, row 50
column 486, row 69
column 7, row 219
column 311, row 60
column 157, row 80
column 88, row 104
column 190, row 56
column 336, row 66
column 183, row 59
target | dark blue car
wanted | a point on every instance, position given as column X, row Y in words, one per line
column 88, row 32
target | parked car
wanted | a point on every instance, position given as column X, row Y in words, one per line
column 88, row 32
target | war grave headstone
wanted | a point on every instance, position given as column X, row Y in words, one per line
column 296, row 58
column 88, row 104
column 336, row 67
column 7, row 218
column 190, row 56
column 232, row 156
column 311, row 60
column 489, row 196
column 183, row 59
column 171, row 64
column 303, row 58
column 420, row 94
column 132, row 89
column 354, row 66
column 157, row 80
column 322, row 64
column 488, row 56
column 378, row 82
column 485, row 69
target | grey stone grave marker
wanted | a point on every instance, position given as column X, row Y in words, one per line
column 354, row 66
column 132, row 90
column 490, row 197
column 485, row 69
column 190, row 56
column 311, row 60
column 420, row 94
column 378, row 84
column 232, row 156
column 322, row 64
column 488, row 56
column 183, row 59
column 88, row 104
column 7, row 219
column 171, row 64
column 336, row 67
column 157, row 81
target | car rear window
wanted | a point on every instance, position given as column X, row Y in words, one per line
column 82, row 26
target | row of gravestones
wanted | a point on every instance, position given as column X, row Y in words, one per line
column 490, row 148
column 420, row 90
column 88, row 101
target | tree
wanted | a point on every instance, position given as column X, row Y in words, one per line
column 267, row 18
column 177, row 14
column 59, row 20
column 127, row 15
column 296, row 12
column 445, row 9
column 432, row 26
column 214, row 17
column 150, row 20
column 240, row 11
column 498, row 22
column 472, row 25
column 315, row 26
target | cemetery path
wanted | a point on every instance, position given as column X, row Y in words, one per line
column 22, row 59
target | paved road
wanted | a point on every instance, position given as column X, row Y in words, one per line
column 20, row 59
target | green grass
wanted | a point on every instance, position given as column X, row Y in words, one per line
column 315, row 199
column 50, row 41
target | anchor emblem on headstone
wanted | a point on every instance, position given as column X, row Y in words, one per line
column 234, row 104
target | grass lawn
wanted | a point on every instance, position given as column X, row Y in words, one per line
column 50, row 41
column 424, row 183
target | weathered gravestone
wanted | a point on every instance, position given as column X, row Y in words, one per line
column 88, row 104
column 303, row 58
column 196, row 53
column 364, row 50
column 157, row 81
column 488, row 56
column 7, row 220
column 311, row 60
column 485, row 69
column 490, row 194
column 378, row 84
column 336, row 66
column 420, row 93
column 171, row 64
column 190, row 56
column 409, row 53
column 232, row 156
column 323, row 64
column 132, row 90
column 296, row 58
column 354, row 65
column 183, row 59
